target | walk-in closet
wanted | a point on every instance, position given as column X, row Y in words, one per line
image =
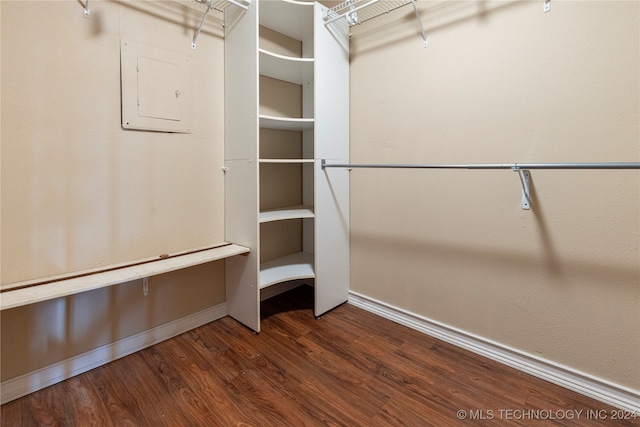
column 289, row 212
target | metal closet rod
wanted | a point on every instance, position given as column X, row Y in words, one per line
column 512, row 166
column 523, row 169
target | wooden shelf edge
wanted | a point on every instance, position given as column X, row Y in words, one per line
column 286, row 123
column 17, row 297
column 285, row 161
column 290, row 212
column 291, row 267
column 300, row 59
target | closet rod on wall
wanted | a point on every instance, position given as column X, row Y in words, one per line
column 521, row 168
column 512, row 166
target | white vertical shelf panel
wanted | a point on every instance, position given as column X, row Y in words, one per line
column 308, row 136
column 332, row 238
column 241, row 86
column 243, row 293
column 332, row 142
column 241, row 161
column 332, row 96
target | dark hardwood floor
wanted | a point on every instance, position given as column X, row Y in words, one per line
column 348, row 368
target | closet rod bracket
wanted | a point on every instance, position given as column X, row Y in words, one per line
column 209, row 4
column 547, row 5
column 425, row 41
column 525, row 180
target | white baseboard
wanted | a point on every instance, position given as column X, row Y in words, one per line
column 580, row 382
column 49, row 375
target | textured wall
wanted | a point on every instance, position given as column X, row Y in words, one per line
column 503, row 82
column 80, row 192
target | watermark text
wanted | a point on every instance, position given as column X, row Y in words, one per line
column 546, row 414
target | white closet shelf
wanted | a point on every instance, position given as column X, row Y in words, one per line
column 223, row 5
column 290, row 267
column 286, row 68
column 289, row 212
column 29, row 292
column 229, row 14
column 354, row 12
column 286, row 123
column 358, row 11
column 291, row 18
column 287, row 160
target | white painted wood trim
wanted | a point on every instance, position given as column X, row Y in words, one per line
column 33, row 381
column 564, row 376
column 62, row 287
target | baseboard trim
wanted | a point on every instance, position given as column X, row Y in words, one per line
column 580, row 382
column 49, row 375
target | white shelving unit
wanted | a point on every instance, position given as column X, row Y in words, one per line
column 286, row 107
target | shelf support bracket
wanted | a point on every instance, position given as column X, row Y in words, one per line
column 525, row 180
column 85, row 10
column 547, row 5
column 204, row 17
column 425, row 42
column 352, row 15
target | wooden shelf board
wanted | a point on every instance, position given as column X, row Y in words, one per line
column 286, row 123
column 286, row 68
column 290, row 267
column 290, row 212
column 29, row 292
column 287, row 160
column 291, row 18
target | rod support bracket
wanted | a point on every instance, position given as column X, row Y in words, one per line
column 525, row 180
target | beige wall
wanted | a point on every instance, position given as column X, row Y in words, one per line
column 80, row 192
column 42, row 334
column 503, row 82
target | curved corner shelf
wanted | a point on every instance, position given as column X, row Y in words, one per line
column 290, row 267
column 289, row 17
column 29, row 292
column 286, row 123
column 287, row 68
column 289, row 212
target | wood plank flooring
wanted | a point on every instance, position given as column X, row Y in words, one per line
column 348, row 368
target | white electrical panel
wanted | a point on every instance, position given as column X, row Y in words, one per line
column 156, row 89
